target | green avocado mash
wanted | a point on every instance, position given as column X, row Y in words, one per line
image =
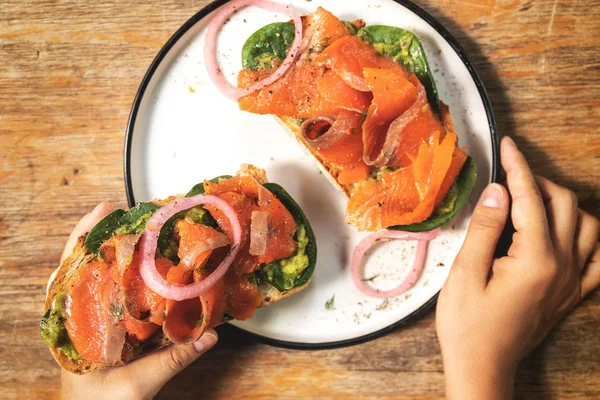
column 283, row 274
column 135, row 227
column 448, row 202
column 53, row 331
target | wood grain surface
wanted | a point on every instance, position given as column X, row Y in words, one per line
column 68, row 73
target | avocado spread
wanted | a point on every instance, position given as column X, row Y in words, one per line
column 53, row 331
column 447, row 204
column 135, row 227
column 283, row 274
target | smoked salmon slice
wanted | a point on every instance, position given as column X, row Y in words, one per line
column 144, row 309
column 87, row 325
column 349, row 55
column 186, row 320
column 243, row 297
column 399, row 118
column 246, row 195
column 458, row 158
column 290, row 95
column 339, row 141
column 406, row 195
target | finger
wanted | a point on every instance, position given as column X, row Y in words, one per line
column 156, row 369
column 561, row 210
column 590, row 279
column 488, row 220
column 85, row 224
column 586, row 237
column 528, row 212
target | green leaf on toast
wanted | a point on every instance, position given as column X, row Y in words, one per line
column 267, row 44
column 103, row 230
column 119, row 222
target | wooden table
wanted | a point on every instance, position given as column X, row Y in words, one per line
column 68, row 74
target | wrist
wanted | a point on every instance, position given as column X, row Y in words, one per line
column 471, row 378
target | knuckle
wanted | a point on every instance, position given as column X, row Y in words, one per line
column 567, row 197
column 594, row 226
column 176, row 359
column 545, row 275
column 571, row 198
column 484, row 221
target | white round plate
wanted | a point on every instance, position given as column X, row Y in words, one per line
column 182, row 131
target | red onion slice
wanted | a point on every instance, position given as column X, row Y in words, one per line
column 259, row 231
column 210, row 46
column 152, row 277
column 423, row 239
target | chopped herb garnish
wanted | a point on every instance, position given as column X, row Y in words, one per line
column 116, row 309
column 371, row 279
column 329, row 303
column 363, row 116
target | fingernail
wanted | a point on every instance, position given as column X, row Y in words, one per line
column 492, row 196
column 510, row 142
column 206, row 341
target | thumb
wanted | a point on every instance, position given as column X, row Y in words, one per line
column 488, row 220
column 156, row 369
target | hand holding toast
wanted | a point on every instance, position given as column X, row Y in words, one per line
column 143, row 378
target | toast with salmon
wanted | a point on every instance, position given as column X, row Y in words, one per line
column 362, row 100
column 102, row 309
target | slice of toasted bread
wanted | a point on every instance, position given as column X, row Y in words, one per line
column 61, row 279
column 79, row 258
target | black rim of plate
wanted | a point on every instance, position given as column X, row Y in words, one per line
column 407, row 4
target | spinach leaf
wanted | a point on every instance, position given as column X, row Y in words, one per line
column 404, row 48
column 266, row 44
column 120, row 222
column 103, row 230
column 464, row 185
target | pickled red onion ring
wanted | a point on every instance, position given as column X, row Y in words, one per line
column 210, row 46
column 148, row 243
column 423, row 239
